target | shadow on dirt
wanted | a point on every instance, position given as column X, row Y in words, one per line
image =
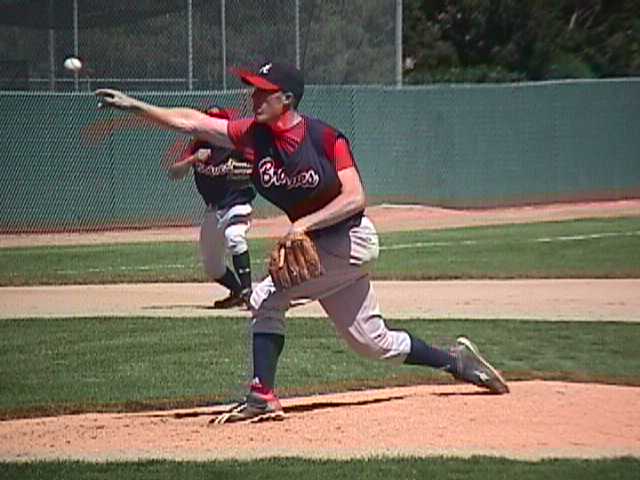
column 479, row 393
column 307, row 407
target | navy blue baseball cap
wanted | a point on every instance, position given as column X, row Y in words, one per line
column 274, row 77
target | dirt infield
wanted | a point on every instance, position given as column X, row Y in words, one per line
column 537, row 420
column 581, row 299
column 386, row 218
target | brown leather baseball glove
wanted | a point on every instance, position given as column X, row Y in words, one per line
column 294, row 260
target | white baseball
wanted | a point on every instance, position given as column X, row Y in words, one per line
column 73, row 64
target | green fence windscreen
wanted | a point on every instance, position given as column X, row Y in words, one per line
column 68, row 166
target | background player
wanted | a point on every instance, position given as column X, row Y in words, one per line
column 306, row 168
column 226, row 218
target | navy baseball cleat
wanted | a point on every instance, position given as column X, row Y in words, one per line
column 257, row 407
column 473, row 368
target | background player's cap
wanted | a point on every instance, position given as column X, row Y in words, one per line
column 218, row 111
column 215, row 110
column 272, row 76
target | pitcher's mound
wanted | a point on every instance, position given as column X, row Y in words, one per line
column 537, row 420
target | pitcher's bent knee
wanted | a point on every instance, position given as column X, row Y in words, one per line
column 383, row 344
column 268, row 307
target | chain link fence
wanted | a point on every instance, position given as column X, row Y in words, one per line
column 67, row 166
column 178, row 45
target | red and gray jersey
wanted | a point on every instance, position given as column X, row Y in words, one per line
column 295, row 169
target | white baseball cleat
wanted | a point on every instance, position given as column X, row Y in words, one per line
column 256, row 408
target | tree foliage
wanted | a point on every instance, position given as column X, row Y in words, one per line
column 506, row 40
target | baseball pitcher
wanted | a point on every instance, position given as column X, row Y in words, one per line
column 307, row 168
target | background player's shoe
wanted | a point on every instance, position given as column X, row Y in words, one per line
column 245, row 295
column 257, row 407
column 473, row 368
column 233, row 300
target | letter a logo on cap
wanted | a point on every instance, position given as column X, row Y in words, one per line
column 264, row 70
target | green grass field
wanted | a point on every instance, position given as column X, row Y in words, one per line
column 130, row 364
column 476, row 468
column 114, row 364
column 607, row 248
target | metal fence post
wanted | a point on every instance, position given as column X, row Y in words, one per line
column 52, row 60
column 76, row 82
column 298, row 34
column 223, row 41
column 190, row 44
column 52, row 47
column 398, row 43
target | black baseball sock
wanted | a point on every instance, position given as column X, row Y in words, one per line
column 266, row 351
column 423, row 354
column 230, row 281
column 242, row 265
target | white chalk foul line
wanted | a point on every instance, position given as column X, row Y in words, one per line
column 570, row 238
column 402, row 246
column 127, row 268
column 399, row 246
column 566, row 238
column 141, row 268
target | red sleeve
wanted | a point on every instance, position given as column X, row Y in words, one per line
column 342, row 155
column 337, row 151
column 237, row 130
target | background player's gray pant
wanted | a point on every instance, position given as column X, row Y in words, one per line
column 345, row 293
column 223, row 231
